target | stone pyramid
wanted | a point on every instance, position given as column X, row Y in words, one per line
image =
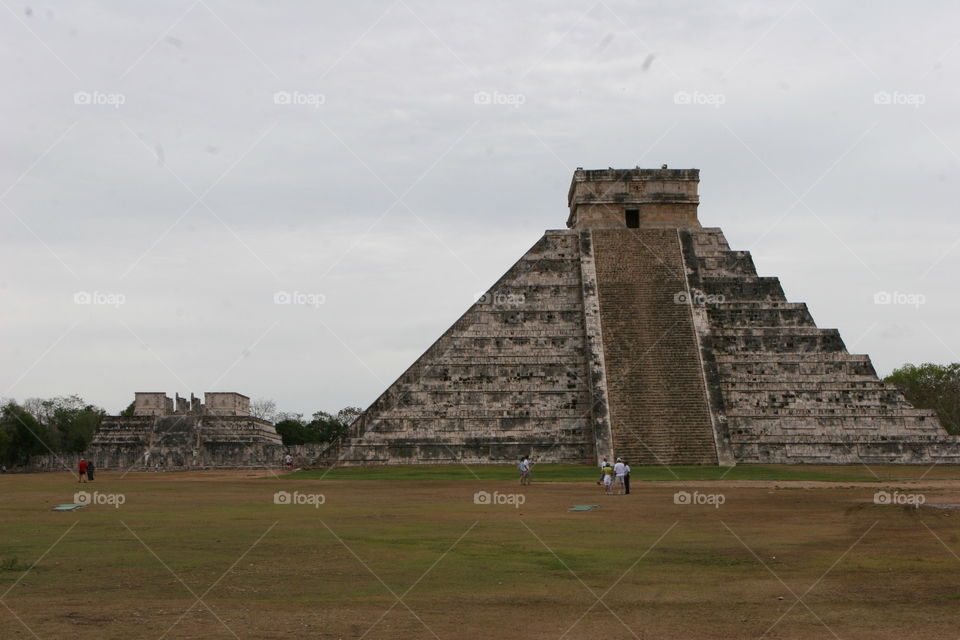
column 636, row 332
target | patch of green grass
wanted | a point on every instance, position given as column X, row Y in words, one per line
column 12, row 564
column 587, row 473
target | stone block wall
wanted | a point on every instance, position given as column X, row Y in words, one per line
column 509, row 378
column 790, row 391
column 185, row 442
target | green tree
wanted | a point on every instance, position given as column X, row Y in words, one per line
column 75, row 427
column 323, row 426
column 293, row 431
column 25, row 435
column 4, row 444
column 932, row 386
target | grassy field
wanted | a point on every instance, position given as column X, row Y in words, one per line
column 586, row 473
column 408, row 553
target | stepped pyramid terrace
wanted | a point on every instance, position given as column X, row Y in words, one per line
column 185, row 433
column 636, row 332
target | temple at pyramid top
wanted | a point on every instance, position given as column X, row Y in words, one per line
column 634, row 198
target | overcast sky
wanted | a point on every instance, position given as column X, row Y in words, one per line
column 177, row 164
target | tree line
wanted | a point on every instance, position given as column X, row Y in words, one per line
column 295, row 429
column 66, row 424
column 932, row 386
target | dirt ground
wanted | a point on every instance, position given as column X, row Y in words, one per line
column 224, row 555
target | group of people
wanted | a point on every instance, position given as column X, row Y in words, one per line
column 615, row 478
column 526, row 470
column 85, row 471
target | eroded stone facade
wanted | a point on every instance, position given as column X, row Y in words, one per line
column 184, row 433
column 637, row 332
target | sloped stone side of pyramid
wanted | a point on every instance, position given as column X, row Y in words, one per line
column 509, row 378
column 790, row 390
column 659, row 410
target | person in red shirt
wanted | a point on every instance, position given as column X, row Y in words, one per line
column 82, row 470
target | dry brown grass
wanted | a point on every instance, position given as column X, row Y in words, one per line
column 462, row 570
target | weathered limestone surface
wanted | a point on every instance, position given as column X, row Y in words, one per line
column 658, row 403
column 509, row 378
column 184, row 433
column 639, row 333
column 791, row 392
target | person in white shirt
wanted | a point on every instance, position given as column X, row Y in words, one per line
column 620, row 471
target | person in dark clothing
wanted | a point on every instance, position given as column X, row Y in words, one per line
column 90, row 471
column 626, row 477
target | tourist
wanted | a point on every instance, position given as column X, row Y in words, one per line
column 619, row 470
column 523, row 469
column 529, row 469
column 82, row 471
column 288, row 460
column 626, row 477
column 90, row 471
column 608, row 479
column 603, row 466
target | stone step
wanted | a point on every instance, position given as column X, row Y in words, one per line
column 658, row 406
column 726, row 263
column 829, row 383
column 841, row 412
column 777, row 340
column 759, row 315
column 790, row 358
column 743, row 288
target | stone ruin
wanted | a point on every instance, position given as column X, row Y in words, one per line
column 185, row 433
column 637, row 332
